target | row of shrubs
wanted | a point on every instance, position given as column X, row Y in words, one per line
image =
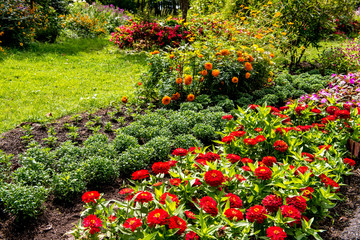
column 66, row 171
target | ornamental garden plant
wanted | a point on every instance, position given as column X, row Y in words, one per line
column 274, row 175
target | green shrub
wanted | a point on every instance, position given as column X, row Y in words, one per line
column 23, row 201
column 67, row 157
column 204, row 132
column 34, row 174
column 134, row 159
column 186, row 141
column 123, row 141
column 98, row 145
column 67, row 185
column 190, row 106
column 153, row 119
column 99, row 170
column 36, row 154
column 161, row 146
column 5, row 167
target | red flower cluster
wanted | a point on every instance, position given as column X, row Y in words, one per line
column 250, row 141
column 175, row 181
column 214, row 178
column 269, row 161
column 260, row 138
column 180, row 152
column 228, row 117
column 233, row 158
column 90, row 196
column 176, row 222
column 208, row 204
column 342, row 114
column 315, row 110
column 291, row 212
column 191, row 236
column 235, row 201
column 234, row 215
column 144, row 197
column 349, row 161
column 276, row 233
column 93, row 223
column 329, row 182
column 126, row 191
column 173, row 198
column 272, row 203
column 308, row 157
column 263, row 173
column 298, row 202
column 237, row 134
column 256, row 213
column 247, row 160
column 307, row 192
column 172, row 163
column 281, row 146
column 193, row 150
column 258, row 129
column 132, row 223
column 190, row 214
column 141, row 174
column 160, row 167
column 253, row 106
column 328, row 119
column 240, row 178
column 157, row 217
column 331, row 110
column 299, row 110
column 228, row 139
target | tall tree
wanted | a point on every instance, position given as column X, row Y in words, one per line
column 184, row 6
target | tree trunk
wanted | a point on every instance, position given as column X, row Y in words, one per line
column 184, row 5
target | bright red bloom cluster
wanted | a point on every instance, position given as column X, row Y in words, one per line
column 281, row 146
column 141, row 174
column 237, row 134
column 247, row 160
column 240, row 178
column 276, row 233
column 260, row 138
column 291, row 212
column 307, row 192
column 308, row 157
column 250, row 141
column 315, row 110
column 214, row 178
column 299, row 110
column 160, row 167
column 132, row 223
column 176, row 222
column 157, row 217
column 263, row 173
column 269, row 161
column 349, row 161
column 227, row 117
column 126, row 191
column 329, row 182
column 144, row 197
column 90, row 196
column 298, row 202
column 233, row 158
column 228, row 139
column 173, row 197
column 180, row 152
column 256, row 213
column 191, row 236
column 175, row 181
column 272, row 203
column 209, row 205
column 190, row 214
column 93, row 223
column 342, row 114
column 331, row 110
column 234, row 214
column 235, row 201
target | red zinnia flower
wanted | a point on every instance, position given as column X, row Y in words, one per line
column 234, row 215
column 190, row 214
column 144, row 197
column 250, row 141
column 299, row 110
column 307, row 192
column 329, row 182
column 214, row 178
column 172, row 163
column 260, row 138
column 176, row 222
column 269, row 161
column 180, row 152
column 281, row 146
column 298, row 202
column 228, row 117
column 112, row 218
column 160, row 167
column 315, row 110
column 263, row 173
column 228, row 139
column 197, row 182
column 211, row 209
column 173, row 197
column 246, row 168
column 191, row 236
column 291, row 212
column 240, row 178
column 256, row 213
column 247, row 160
column 308, row 157
column 258, row 129
column 327, row 147
column 349, row 161
column 233, row 158
column 141, row 174
column 253, row 106
column 235, row 201
column 305, row 128
column 132, row 223
column 93, row 223
column 193, row 150
column 284, row 108
column 347, row 106
column 126, row 191
column 237, row 133
column 272, row 203
column 90, row 196
column 175, row 181
column 273, row 109
column 276, row 233
column 328, row 119
column 157, row 184
column 157, row 216
column 331, row 110
column 207, row 201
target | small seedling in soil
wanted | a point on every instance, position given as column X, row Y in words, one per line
column 89, row 124
column 94, row 129
column 51, row 140
column 121, row 120
column 91, row 114
column 112, row 115
column 108, row 127
column 76, row 118
column 97, row 120
column 73, row 136
column 27, row 133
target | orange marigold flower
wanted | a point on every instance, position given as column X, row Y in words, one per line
column 247, row 75
column 208, row 66
column 179, row 80
column 155, row 52
column 225, row 52
column 172, row 56
column 271, row 55
column 235, row 80
column 124, row 99
column 204, row 72
column 240, row 59
column 166, row 100
column 188, row 80
column 248, row 66
column 175, row 96
column 201, row 79
column 190, row 97
column 250, row 58
column 215, row 72
column 239, row 53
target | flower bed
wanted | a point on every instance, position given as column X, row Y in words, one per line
column 278, row 173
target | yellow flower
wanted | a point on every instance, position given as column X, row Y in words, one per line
column 243, row 18
column 269, row 3
column 271, row 74
column 21, row 44
column 260, row 50
column 290, row 23
column 277, row 14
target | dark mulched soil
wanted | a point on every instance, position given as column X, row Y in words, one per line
column 59, row 218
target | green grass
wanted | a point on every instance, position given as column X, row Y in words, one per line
column 64, row 78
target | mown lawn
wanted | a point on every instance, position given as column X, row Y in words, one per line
column 64, row 78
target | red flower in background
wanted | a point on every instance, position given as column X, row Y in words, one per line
column 228, row 117
column 298, row 202
column 308, row 157
column 250, row 141
column 281, row 146
column 284, row 108
column 237, row 133
column 263, row 173
column 172, row 163
column 291, row 212
column 328, row 119
column 329, row 182
column 93, row 223
column 173, row 198
column 144, row 197
column 342, row 114
column 175, row 181
column 327, row 147
column 247, row 160
column 240, row 178
column 191, row 236
column 233, row 158
column 349, row 161
column 193, row 150
column 272, row 203
column 157, row 217
column 132, row 223
column 260, row 138
column 190, row 214
column 256, row 213
column 307, row 192
column 234, row 215
column 141, row 174
column 176, row 222
column 331, row 110
column 180, row 152
column 258, row 129
column 214, row 178
column 315, row 110
column 211, row 209
column 276, row 233
column 160, row 167
column 253, row 106
column 207, row 201
column 299, row 110
column 126, row 191
column 235, row 201
column 269, row 161
column 90, row 196
column 228, row 139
